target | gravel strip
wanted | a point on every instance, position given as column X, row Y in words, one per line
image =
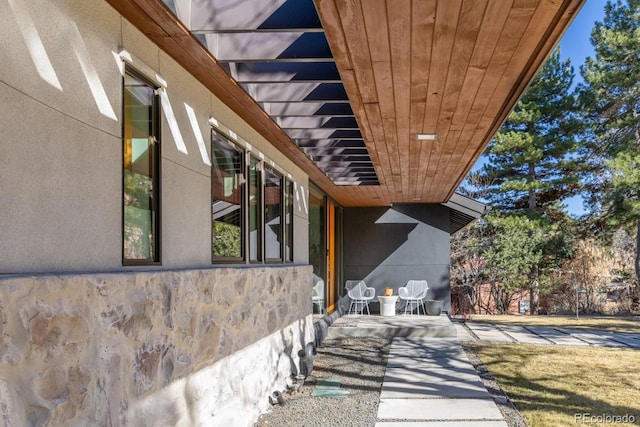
column 359, row 364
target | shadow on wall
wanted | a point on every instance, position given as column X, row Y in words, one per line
column 386, row 247
column 441, row 293
column 422, row 215
column 372, row 236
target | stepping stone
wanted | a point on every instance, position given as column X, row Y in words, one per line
column 427, row 354
column 429, row 374
column 556, row 336
column 458, row 363
column 328, row 388
column 463, row 333
column 439, row 409
column 595, row 338
column 632, row 340
column 488, row 333
column 522, row 335
column 463, row 389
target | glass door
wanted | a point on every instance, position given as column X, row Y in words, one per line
column 324, row 249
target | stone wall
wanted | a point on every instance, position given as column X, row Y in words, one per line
column 150, row 348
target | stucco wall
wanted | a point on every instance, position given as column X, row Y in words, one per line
column 389, row 246
column 61, row 143
column 157, row 348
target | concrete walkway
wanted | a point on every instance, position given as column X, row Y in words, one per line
column 431, row 382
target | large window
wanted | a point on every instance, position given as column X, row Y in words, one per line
column 252, row 205
column 141, row 190
column 272, row 215
column 227, row 183
column 255, row 210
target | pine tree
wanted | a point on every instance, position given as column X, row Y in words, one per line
column 531, row 168
column 531, row 162
column 610, row 97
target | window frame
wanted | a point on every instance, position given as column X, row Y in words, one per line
column 280, row 229
column 288, row 210
column 250, row 158
column 155, row 118
column 259, row 220
column 243, row 195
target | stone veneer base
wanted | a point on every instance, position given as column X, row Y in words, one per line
column 182, row 348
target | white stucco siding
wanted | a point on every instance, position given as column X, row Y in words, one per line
column 61, row 162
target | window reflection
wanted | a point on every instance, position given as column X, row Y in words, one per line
column 272, row 212
column 227, row 182
column 288, row 221
column 141, row 164
column 317, row 236
column 255, row 203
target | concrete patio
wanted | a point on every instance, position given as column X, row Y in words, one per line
column 415, row 326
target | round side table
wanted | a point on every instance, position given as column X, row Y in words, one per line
column 388, row 305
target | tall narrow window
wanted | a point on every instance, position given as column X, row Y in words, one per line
column 141, row 189
column 255, row 210
column 227, row 183
column 272, row 215
column 317, row 232
column 288, row 221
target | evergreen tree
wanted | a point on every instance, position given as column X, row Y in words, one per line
column 610, row 97
column 513, row 256
column 531, row 162
column 531, row 168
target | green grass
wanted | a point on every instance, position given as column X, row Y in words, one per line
column 604, row 323
column 550, row 385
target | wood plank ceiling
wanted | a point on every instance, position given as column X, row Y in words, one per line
column 343, row 87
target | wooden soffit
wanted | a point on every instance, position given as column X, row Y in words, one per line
column 394, row 69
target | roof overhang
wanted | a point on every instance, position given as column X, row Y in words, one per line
column 345, row 88
column 463, row 210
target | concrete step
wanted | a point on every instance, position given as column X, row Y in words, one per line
column 409, row 326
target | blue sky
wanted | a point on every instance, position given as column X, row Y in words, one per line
column 575, row 44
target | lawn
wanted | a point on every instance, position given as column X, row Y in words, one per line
column 550, row 385
column 604, row 323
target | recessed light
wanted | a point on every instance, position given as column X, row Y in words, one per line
column 427, row 136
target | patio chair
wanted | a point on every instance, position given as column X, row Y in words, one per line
column 360, row 295
column 317, row 297
column 413, row 294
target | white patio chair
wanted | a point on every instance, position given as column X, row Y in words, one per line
column 360, row 295
column 413, row 294
column 317, row 297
